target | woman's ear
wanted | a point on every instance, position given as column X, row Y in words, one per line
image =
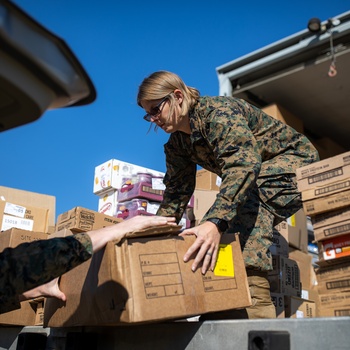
column 178, row 95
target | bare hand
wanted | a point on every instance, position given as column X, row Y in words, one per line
column 206, row 245
column 48, row 290
column 140, row 222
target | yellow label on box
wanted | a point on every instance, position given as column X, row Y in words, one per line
column 291, row 221
column 224, row 264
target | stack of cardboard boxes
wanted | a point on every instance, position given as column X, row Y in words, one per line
column 25, row 217
column 325, row 187
column 126, row 190
column 292, row 278
column 325, row 146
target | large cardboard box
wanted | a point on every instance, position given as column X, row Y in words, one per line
column 335, row 248
column 203, row 200
column 23, row 217
column 333, row 279
column 331, row 224
column 327, row 147
column 323, row 204
column 144, row 279
column 206, row 180
column 299, row 308
column 81, row 220
column 285, row 276
column 30, row 312
column 294, row 230
column 278, row 301
column 304, row 261
column 335, row 299
column 108, row 202
column 32, row 199
column 109, row 175
column 324, row 172
column 280, row 113
column 334, row 311
column 280, row 244
column 329, row 273
column 326, row 190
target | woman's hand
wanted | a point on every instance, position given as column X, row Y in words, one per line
column 206, row 245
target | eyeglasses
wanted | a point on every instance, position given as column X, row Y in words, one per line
column 155, row 110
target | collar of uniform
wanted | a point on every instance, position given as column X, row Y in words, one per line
column 197, row 116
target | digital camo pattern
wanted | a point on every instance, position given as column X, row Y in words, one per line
column 256, row 157
column 32, row 264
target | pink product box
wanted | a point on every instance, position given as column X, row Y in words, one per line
column 139, row 190
column 191, row 202
column 129, row 209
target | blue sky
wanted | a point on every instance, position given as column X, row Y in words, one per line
column 119, row 43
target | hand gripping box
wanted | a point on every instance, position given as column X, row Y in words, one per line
column 144, row 279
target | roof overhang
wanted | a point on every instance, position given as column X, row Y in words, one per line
column 293, row 73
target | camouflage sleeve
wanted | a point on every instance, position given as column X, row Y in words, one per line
column 179, row 181
column 32, row 264
column 237, row 154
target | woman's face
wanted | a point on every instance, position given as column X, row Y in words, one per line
column 158, row 113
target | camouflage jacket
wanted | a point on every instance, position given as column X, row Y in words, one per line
column 32, row 264
column 232, row 139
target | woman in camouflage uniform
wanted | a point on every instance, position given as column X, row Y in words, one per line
column 256, row 157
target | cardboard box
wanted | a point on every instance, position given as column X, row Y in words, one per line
column 136, row 207
column 329, row 273
column 107, row 202
column 285, row 276
column 109, row 175
column 206, row 180
column 299, row 308
column 334, row 311
column 304, row 261
column 278, row 301
column 294, row 229
column 331, row 224
column 324, row 172
column 280, row 113
column 335, row 299
column 31, row 199
column 203, row 200
column 334, row 278
column 144, row 279
column 25, row 218
column 15, row 236
column 332, row 202
column 327, row 147
column 144, row 190
column 81, row 220
column 280, row 244
column 334, row 248
column 29, row 312
column 326, row 190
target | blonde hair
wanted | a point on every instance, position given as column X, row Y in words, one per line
column 162, row 83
